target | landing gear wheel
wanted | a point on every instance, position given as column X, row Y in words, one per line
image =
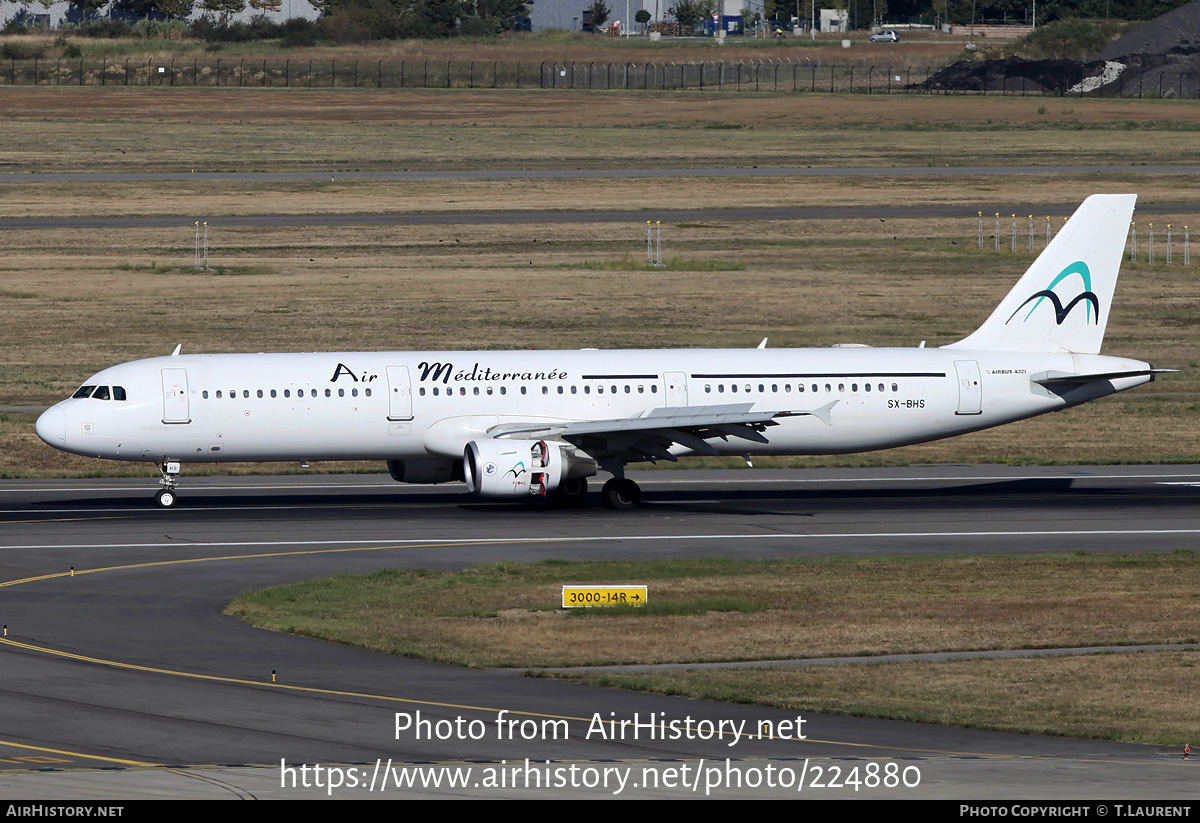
column 621, row 493
column 572, row 491
column 165, row 498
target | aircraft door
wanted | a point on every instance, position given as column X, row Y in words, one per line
column 399, row 393
column 175, row 396
column 676, row 394
column 970, row 387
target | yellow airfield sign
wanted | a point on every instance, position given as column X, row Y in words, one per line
column 582, row 597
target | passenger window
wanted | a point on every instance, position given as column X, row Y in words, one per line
column 260, row 392
column 367, row 392
column 245, row 393
column 286, row 393
column 523, row 390
column 560, row 389
column 545, row 390
column 342, row 392
column 204, row 394
column 708, row 388
column 273, row 393
column 787, row 388
column 504, row 390
column 476, row 391
column 218, row 394
column 328, row 393
column 84, row 391
column 354, row 392
column 654, row 389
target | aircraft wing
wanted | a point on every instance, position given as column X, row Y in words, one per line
column 650, row 435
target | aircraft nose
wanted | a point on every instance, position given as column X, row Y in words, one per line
column 52, row 427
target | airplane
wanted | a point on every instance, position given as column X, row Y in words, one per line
column 532, row 424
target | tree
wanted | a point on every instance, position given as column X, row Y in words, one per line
column 174, row 9
column 642, row 17
column 691, row 12
column 224, row 8
column 89, row 8
column 599, row 12
column 264, row 6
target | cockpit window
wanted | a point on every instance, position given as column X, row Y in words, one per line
column 101, row 393
column 84, row 391
column 118, row 392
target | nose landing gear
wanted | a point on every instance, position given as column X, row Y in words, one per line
column 166, row 496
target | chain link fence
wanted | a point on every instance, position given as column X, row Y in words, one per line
column 716, row 75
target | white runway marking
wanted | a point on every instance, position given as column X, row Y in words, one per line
column 408, row 542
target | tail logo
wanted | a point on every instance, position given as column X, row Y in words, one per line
column 1087, row 296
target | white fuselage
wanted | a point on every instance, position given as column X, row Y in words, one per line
column 415, row 405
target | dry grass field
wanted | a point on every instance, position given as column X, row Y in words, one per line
column 711, row 609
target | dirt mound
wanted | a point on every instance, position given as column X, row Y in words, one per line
column 1159, row 59
column 1012, row 74
column 1176, row 32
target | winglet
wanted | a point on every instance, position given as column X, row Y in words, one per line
column 176, row 352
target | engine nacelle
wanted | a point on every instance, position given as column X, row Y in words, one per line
column 430, row 470
column 514, row 468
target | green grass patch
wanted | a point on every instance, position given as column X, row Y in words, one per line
column 655, row 608
column 677, row 263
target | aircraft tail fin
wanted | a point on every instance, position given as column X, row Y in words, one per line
column 1063, row 300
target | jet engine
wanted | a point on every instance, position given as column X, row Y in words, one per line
column 514, row 468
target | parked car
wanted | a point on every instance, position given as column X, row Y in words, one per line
column 885, row 36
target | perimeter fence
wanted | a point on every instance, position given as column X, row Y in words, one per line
column 716, row 75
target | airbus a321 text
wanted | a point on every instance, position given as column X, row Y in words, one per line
column 534, row 423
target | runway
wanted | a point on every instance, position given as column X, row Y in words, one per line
column 128, row 661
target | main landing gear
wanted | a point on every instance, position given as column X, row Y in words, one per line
column 571, row 492
column 166, row 496
column 621, row 493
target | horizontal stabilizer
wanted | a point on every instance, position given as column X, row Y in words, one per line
column 1060, row 378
